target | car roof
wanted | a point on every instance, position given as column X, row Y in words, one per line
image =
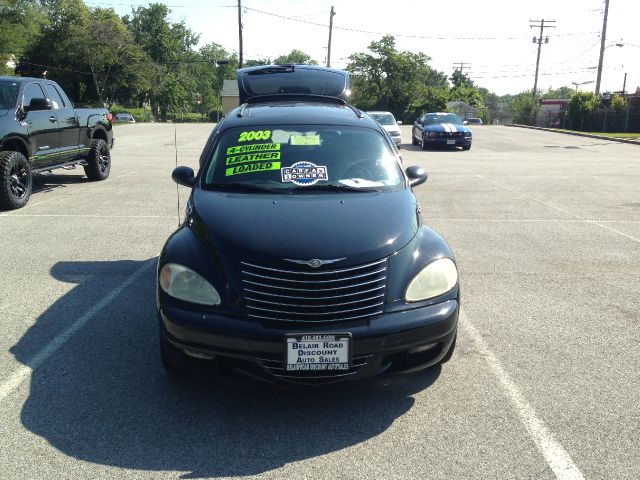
column 378, row 112
column 304, row 113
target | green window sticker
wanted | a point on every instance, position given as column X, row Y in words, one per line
column 305, row 140
column 253, row 157
column 251, row 168
column 257, row 147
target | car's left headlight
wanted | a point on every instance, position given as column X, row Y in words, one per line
column 183, row 283
column 435, row 279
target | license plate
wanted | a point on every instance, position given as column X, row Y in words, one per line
column 451, row 142
column 318, row 352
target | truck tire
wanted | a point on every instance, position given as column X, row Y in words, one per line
column 99, row 161
column 15, row 180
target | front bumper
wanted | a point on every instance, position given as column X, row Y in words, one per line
column 396, row 342
column 446, row 142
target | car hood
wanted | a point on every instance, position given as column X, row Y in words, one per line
column 446, row 127
column 358, row 227
column 3, row 112
column 391, row 128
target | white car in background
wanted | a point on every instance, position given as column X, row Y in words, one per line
column 388, row 122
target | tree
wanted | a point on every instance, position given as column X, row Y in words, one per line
column 296, row 57
column 169, row 47
column 521, row 107
column 581, row 106
column 20, row 23
column 562, row 92
column 399, row 82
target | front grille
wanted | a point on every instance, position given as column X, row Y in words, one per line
column 451, row 134
column 320, row 296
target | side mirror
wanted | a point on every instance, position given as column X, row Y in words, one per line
column 184, row 176
column 417, row 175
column 38, row 104
column 399, row 122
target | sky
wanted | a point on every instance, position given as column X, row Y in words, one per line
column 493, row 39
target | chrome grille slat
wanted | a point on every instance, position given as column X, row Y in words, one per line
column 316, row 298
column 333, row 280
column 354, row 317
column 315, row 306
column 312, row 313
column 308, row 289
column 326, row 295
column 328, row 272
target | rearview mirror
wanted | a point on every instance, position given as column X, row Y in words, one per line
column 417, row 175
column 184, row 176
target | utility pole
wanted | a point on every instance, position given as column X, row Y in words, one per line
column 541, row 24
column 603, row 38
column 460, row 67
column 624, row 84
column 331, row 14
column 240, row 32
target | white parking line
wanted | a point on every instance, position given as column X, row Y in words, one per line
column 554, row 454
column 24, row 372
column 566, row 212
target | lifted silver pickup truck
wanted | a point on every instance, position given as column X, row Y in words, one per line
column 40, row 130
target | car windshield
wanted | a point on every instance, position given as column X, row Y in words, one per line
column 8, row 93
column 448, row 118
column 384, row 118
column 302, row 157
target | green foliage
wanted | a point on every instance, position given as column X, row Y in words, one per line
column 20, row 24
column 618, row 103
column 296, row 57
column 140, row 114
column 521, row 108
column 581, row 107
column 562, row 92
column 399, row 82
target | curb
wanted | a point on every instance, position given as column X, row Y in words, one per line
column 578, row 134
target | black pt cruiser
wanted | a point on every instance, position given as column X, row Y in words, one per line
column 303, row 257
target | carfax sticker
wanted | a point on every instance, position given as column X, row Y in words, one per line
column 251, row 168
column 304, row 173
column 305, row 140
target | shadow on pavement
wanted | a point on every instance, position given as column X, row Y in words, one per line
column 103, row 398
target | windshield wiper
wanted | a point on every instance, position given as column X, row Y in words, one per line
column 245, row 187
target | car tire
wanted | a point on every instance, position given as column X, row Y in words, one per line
column 99, row 161
column 168, row 354
column 16, row 181
column 468, row 147
column 449, row 354
column 423, row 143
column 413, row 139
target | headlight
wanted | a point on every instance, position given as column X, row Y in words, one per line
column 435, row 279
column 185, row 284
column 432, row 134
column 467, row 134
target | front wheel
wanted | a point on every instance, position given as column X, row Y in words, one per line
column 15, row 180
column 466, row 147
column 423, row 143
column 99, row 161
column 413, row 139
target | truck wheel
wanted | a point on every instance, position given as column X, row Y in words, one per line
column 15, row 180
column 99, row 161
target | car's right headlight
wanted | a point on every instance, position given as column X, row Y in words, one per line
column 432, row 134
column 435, row 279
column 184, row 284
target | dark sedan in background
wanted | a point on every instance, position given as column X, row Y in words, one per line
column 440, row 129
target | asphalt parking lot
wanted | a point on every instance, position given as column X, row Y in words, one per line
column 544, row 383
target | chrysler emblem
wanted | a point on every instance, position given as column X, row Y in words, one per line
column 315, row 262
